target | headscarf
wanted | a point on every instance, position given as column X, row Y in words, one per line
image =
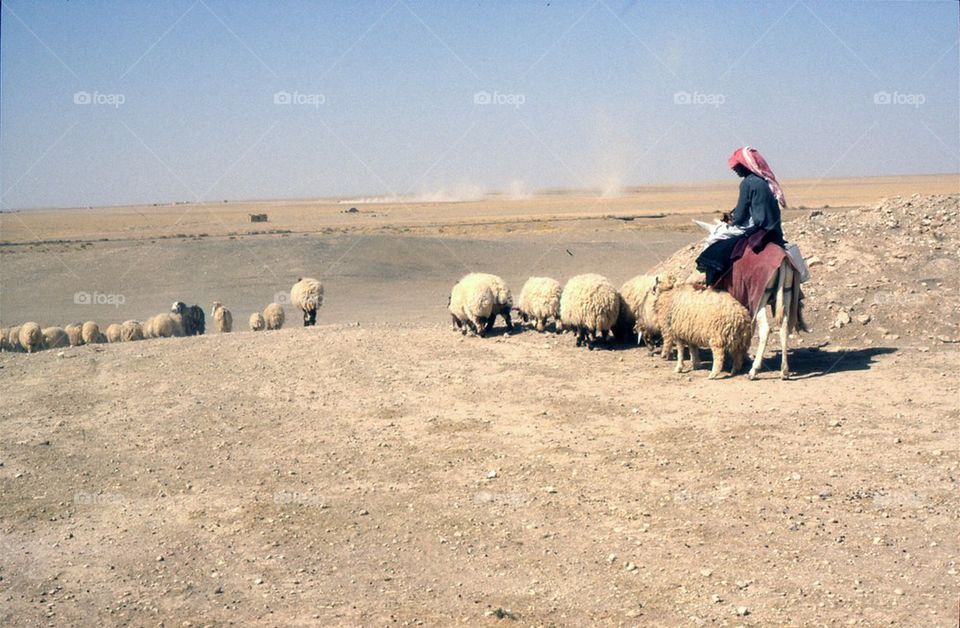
column 751, row 159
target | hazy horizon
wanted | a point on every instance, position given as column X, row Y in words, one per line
column 132, row 104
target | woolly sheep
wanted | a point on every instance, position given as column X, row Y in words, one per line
column 4, row 344
column 74, row 334
column 694, row 317
column 502, row 298
column 256, row 322
column 13, row 340
column 113, row 332
column 55, row 338
column 589, row 305
column 30, row 337
column 540, row 301
column 131, row 331
column 191, row 318
column 90, row 332
column 472, row 304
column 163, row 326
column 307, row 294
column 222, row 317
column 273, row 316
column 636, row 308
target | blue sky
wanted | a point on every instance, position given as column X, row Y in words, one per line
column 139, row 102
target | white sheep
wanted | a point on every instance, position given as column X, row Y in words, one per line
column 113, row 333
column 74, row 334
column 256, row 322
column 55, row 338
column 471, row 304
column 166, row 325
column 274, row 316
column 30, row 337
column 131, row 331
column 4, row 345
column 540, row 301
column 307, row 294
column 222, row 317
column 13, row 340
column 589, row 306
column 636, row 310
column 502, row 298
column 702, row 317
column 91, row 333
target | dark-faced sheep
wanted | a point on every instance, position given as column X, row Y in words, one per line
column 191, row 318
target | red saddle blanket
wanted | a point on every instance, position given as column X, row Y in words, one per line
column 748, row 277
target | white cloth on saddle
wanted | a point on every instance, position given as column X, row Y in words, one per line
column 718, row 231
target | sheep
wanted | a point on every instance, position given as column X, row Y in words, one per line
column 191, row 318
column 55, row 338
column 502, row 299
column 163, row 326
column 31, row 337
column 222, row 317
column 256, row 322
column 131, row 331
column 274, row 316
column 4, row 346
column 589, row 306
column 113, row 332
column 696, row 317
column 540, row 301
column 90, row 332
column 307, row 294
column 472, row 304
column 636, row 309
column 13, row 340
column 74, row 334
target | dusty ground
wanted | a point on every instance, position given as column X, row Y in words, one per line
column 395, row 472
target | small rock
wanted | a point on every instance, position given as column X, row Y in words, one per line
column 898, row 591
column 743, row 611
column 491, row 475
column 716, row 598
column 842, row 319
column 835, row 423
column 550, row 489
column 258, row 581
column 863, row 319
column 813, row 260
column 706, row 573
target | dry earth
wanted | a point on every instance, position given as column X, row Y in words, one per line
column 398, row 473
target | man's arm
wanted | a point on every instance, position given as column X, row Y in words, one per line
column 741, row 212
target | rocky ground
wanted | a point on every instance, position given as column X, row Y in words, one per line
column 400, row 474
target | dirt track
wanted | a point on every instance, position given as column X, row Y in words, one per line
column 365, row 476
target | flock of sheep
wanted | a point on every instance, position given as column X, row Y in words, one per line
column 182, row 320
column 652, row 307
column 682, row 315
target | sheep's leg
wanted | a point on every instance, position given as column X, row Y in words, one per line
column 456, row 323
column 481, row 327
column 679, row 368
column 695, row 356
column 717, row 351
column 541, row 324
column 784, row 337
column 667, row 346
column 579, row 332
column 505, row 312
column 737, row 362
column 313, row 317
column 763, row 331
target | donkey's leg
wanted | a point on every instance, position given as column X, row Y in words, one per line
column 763, row 330
column 785, row 323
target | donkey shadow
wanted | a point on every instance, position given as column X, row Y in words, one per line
column 810, row 362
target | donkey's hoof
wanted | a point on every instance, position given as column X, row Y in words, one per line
column 752, row 374
column 785, row 375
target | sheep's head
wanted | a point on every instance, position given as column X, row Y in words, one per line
column 178, row 307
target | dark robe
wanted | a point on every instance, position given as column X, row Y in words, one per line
column 757, row 211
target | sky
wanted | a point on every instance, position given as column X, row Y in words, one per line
column 108, row 103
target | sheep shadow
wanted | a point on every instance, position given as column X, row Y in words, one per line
column 811, row 362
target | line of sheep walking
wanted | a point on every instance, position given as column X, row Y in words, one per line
column 590, row 307
column 181, row 320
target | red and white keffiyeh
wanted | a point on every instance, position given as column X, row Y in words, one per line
column 751, row 159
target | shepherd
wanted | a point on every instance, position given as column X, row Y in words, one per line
column 755, row 220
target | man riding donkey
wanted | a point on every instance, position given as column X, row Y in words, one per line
column 747, row 256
